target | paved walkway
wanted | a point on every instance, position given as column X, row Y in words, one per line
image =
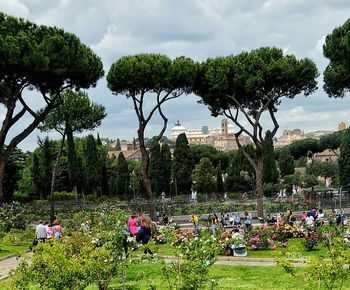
column 246, row 261
column 10, row 263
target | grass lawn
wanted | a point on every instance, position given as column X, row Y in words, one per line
column 7, row 249
column 227, row 277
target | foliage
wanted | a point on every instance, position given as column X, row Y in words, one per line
column 151, row 76
column 43, row 159
column 164, row 141
column 238, row 163
column 326, row 272
column 344, row 159
column 246, row 86
column 300, row 148
column 182, row 164
column 203, row 175
column 94, row 254
column 123, row 177
column 270, row 174
column 43, row 58
column 286, row 163
column 326, row 168
column 75, row 115
column 64, row 195
column 190, row 269
column 219, row 181
column 26, row 184
column 92, row 166
column 310, row 241
column 336, row 49
column 117, row 146
column 215, row 156
column 13, row 216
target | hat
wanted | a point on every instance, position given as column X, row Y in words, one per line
column 55, row 222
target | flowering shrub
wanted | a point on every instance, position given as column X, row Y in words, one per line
column 262, row 239
column 132, row 244
column 159, row 234
column 193, row 258
column 13, row 216
column 182, row 236
column 310, row 241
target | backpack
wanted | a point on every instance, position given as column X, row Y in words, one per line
column 58, row 235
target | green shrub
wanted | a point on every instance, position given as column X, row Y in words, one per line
column 64, row 195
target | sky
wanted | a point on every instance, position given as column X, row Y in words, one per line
column 198, row 29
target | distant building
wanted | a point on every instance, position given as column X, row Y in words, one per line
column 221, row 139
column 134, row 155
column 126, row 145
column 290, row 136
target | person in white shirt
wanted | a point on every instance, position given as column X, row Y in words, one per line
column 40, row 232
column 309, row 221
column 320, row 217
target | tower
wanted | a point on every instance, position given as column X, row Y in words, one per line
column 224, row 127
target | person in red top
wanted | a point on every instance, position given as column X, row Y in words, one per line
column 133, row 225
column 57, row 230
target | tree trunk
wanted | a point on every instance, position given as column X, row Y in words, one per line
column 259, row 185
column 73, row 169
column 144, row 169
column 2, row 172
column 52, row 191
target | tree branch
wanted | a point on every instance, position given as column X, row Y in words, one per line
column 165, row 121
column 235, row 121
column 30, row 128
column 24, row 104
column 272, row 114
column 241, row 108
column 245, row 153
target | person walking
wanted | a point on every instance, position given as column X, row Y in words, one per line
column 195, row 221
column 40, row 232
column 248, row 221
column 48, row 230
column 144, row 234
column 133, row 225
column 57, row 230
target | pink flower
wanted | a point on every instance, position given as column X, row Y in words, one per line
column 274, row 247
column 269, row 241
column 253, row 247
column 285, row 244
column 274, row 236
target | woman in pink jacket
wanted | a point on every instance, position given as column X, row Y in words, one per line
column 133, row 225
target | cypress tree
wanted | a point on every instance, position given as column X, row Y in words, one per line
column 155, row 169
column 92, row 166
column 166, row 168
column 203, row 174
column 237, row 165
column 344, row 159
column 123, row 177
column 73, row 166
column 270, row 174
column 118, row 146
column 219, row 182
column 286, row 163
column 183, row 165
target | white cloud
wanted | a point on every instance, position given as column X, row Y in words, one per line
column 198, row 29
column 14, row 7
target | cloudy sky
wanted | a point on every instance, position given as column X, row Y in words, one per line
column 198, row 29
